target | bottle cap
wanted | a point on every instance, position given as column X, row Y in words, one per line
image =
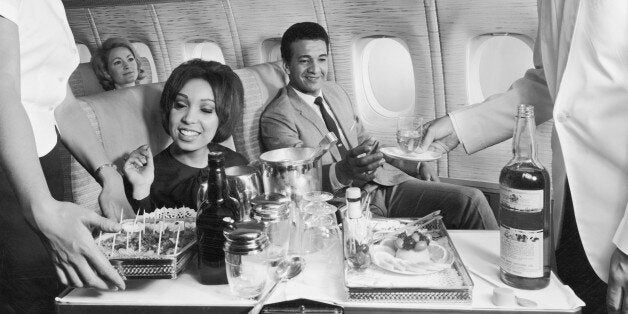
column 216, row 159
column 353, row 193
column 354, row 210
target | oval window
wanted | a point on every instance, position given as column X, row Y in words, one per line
column 388, row 76
column 495, row 62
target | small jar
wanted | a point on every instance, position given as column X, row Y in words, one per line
column 246, row 263
column 274, row 211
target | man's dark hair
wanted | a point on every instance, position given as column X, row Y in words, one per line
column 300, row 31
column 226, row 85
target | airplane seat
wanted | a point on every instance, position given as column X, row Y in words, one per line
column 262, row 83
column 127, row 118
column 83, row 81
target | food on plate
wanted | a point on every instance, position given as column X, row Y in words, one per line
column 411, row 252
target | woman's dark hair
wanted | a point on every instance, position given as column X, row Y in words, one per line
column 225, row 84
column 100, row 62
column 300, row 31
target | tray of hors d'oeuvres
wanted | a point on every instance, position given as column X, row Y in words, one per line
column 411, row 261
column 155, row 245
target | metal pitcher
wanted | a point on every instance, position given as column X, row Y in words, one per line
column 291, row 171
column 244, row 185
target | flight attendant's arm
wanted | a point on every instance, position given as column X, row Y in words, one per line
column 490, row 122
column 77, row 260
column 618, row 271
column 79, row 137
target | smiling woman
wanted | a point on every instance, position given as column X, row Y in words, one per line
column 117, row 64
column 199, row 104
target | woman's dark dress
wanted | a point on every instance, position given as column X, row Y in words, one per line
column 176, row 184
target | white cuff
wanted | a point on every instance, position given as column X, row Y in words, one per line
column 621, row 234
column 333, row 179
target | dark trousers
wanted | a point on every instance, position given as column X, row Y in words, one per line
column 28, row 281
column 573, row 266
column 461, row 207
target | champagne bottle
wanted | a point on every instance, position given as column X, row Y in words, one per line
column 216, row 212
column 526, row 244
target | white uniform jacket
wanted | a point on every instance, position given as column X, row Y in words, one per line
column 580, row 80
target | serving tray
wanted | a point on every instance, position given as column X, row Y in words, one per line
column 451, row 285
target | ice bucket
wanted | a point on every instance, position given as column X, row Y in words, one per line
column 291, row 171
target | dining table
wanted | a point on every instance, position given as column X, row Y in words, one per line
column 323, row 280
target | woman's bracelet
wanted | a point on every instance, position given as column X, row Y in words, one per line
column 99, row 169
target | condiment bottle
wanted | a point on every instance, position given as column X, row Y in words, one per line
column 525, row 216
column 216, row 212
column 245, row 258
column 356, row 231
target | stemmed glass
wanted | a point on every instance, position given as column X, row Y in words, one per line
column 409, row 134
column 319, row 225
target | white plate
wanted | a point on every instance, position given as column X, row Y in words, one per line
column 396, row 152
column 382, row 256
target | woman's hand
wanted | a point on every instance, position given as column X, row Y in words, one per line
column 140, row 171
column 77, row 259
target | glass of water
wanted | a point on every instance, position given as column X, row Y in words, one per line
column 409, row 134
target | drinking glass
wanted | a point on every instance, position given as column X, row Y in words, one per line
column 409, row 134
column 320, row 230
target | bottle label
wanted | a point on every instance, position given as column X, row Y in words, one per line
column 527, row 201
column 521, row 252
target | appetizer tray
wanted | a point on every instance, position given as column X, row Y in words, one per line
column 156, row 258
column 441, row 280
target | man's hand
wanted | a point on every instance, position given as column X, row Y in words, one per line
column 77, row 259
column 360, row 163
column 440, row 135
column 140, row 171
column 617, row 293
column 112, row 198
column 427, row 173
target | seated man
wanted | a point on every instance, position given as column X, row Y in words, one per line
column 310, row 107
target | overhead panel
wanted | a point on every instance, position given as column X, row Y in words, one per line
column 259, row 20
column 196, row 21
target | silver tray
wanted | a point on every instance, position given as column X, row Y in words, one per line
column 452, row 285
column 152, row 266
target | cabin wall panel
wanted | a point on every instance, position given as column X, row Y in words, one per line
column 458, row 23
column 257, row 20
column 134, row 22
column 199, row 20
column 82, row 28
column 349, row 21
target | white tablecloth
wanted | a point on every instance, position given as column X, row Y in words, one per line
column 323, row 280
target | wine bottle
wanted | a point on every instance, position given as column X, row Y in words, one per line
column 217, row 211
column 526, row 244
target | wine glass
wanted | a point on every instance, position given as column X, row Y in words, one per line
column 319, row 225
column 409, row 134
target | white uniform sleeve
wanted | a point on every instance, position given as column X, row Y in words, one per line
column 9, row 9
column 621, row 234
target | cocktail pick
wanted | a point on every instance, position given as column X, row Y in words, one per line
column 143, row 219
column 121, row 214
column 176, row 242
column 127, row 240
column 113, row 244
column 139, row 242
column 161, row 229
column 99, row 237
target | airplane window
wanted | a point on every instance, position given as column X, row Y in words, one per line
column 271, row 50
column 84, row 54
column 385, row 76
column 148, row 62
column 205, row 50
column 495, row 62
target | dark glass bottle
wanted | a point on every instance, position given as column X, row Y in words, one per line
column 526, row 244
column 216, row 212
